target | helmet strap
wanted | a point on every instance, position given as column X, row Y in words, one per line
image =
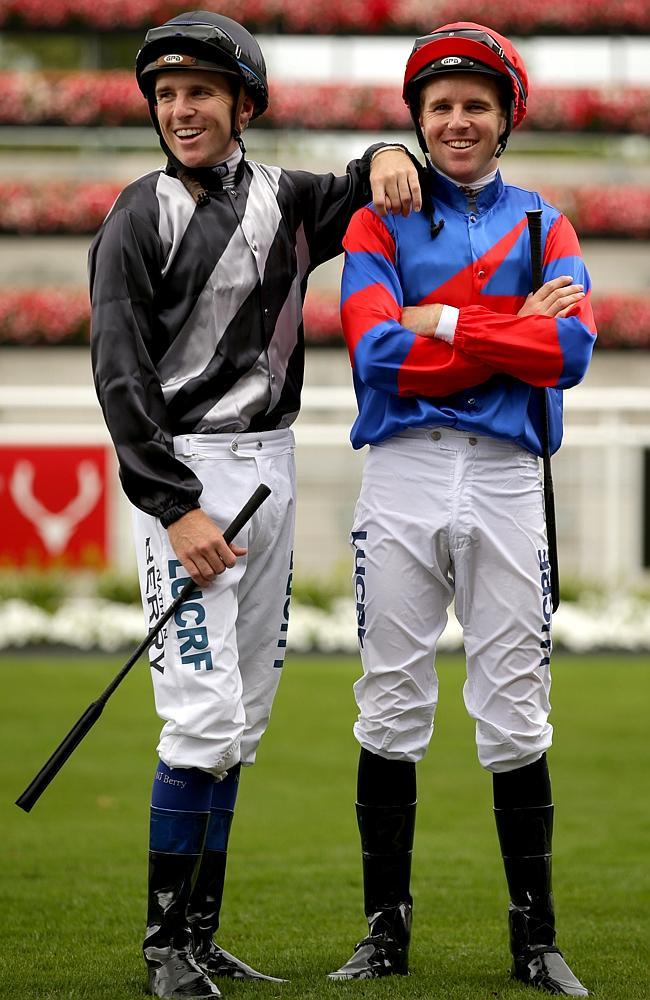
column 505, row 135
column 414, row 108
column 238, row 104
column 236, row 115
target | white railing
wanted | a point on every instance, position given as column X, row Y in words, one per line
column 613, row 420
column 609, row 411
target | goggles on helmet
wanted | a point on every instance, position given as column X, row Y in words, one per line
column 197, row 31
column 450, row 43
column 466, row 47
column 213, row 48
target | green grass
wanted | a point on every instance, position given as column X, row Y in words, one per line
column 72, row 877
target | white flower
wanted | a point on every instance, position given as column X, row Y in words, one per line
column 621, row 622
column 22, row 624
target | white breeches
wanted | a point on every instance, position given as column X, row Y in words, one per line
column 217, row 666
column 444, row 515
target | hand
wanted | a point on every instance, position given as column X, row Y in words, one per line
column 422, row 319
column 555, row 298
column 395, row 183
column 201, row 548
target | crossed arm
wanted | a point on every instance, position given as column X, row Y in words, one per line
column 545, row 340
column 556, row 297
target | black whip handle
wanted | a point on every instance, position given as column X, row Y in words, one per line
column 83, row 725
column 534, row 216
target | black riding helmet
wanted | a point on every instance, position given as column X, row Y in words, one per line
column 200, row 39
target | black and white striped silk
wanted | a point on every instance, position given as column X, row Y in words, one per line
column 197, row 312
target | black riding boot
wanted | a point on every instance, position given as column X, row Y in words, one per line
column 204, row 907
column 524, row 819
column 167, row 948
column 386, row 843
column 203, row 914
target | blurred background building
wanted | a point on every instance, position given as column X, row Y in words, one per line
column 74, row 129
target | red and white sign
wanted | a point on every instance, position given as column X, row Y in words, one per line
column 54, row 505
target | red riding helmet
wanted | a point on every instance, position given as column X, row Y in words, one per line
column 465, row 47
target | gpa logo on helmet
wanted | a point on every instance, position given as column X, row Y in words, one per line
column 451, row 61
column 173, row 59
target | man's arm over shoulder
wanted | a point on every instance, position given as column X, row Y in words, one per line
column 386, row 174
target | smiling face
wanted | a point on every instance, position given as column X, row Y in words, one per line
column 461, row 118
column 194, row 109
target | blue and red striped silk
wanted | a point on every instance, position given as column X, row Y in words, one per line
column 480, row 263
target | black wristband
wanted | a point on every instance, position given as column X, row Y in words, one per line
column 176, row 512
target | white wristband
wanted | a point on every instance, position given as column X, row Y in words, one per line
column 446, row 327
column 384, row 148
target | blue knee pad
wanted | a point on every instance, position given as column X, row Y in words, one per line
column 222, row 808
column 180, row 805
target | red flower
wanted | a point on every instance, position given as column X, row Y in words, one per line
column 80, row 207
column 113, row 98
column 59, row 316
column 55, row 206
column 45, row 316
column 622, row 211
column 522, row 17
